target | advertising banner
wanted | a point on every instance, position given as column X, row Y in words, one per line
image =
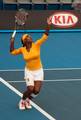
column 38, row 19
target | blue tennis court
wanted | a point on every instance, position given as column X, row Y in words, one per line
column 60, row 96
column 11, row 110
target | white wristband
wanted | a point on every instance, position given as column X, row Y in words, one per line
column 14, row 33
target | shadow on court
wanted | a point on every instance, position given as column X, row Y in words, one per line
column 60, row 95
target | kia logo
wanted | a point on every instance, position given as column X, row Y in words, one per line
column 64, row 19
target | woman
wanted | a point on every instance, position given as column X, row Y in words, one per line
column 33, row 69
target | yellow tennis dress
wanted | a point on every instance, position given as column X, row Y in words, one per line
column 32, row 58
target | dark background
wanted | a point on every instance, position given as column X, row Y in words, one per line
column 36, row 20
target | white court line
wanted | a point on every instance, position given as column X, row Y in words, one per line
column 48, row 69
column 57, row 80
column 32, row 103
column 11, row 70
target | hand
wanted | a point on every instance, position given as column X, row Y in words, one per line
column 49, row 20
column 12, row 39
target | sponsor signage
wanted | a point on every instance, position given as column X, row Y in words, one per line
column 64, row 19
column 37, row 20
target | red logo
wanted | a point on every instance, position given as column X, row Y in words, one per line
column 64, row 19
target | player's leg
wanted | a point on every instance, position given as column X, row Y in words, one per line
column 38, row 81
column 25, row 101
column 37, row 87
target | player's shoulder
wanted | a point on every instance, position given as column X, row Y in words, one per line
column 21, row 48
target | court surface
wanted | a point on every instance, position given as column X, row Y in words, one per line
column 60, row 97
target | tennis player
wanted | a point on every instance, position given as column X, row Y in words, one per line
column 34, row 74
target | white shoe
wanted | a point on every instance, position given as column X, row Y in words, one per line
column 22, row 104
column 27, row 103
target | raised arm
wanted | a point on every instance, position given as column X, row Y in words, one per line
column 48, row 26
column 11, row 44
column 46, row 33
column 12, row 49
column 47, row 30
column 12, row 41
